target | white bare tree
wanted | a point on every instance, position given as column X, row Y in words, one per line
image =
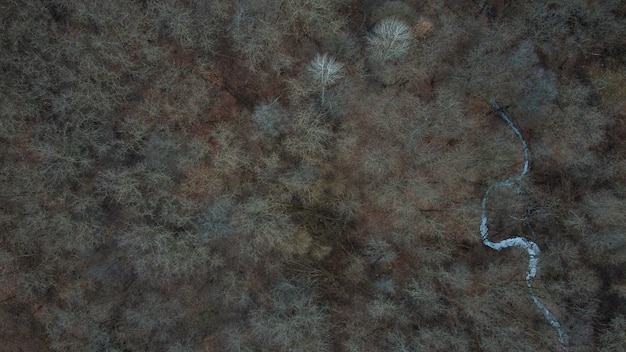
column 324, row 71
column 391, row 40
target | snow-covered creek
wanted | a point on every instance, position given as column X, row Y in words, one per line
column 529, row 246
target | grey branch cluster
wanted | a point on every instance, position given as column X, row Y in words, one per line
column 325, row 70
column 390, row 41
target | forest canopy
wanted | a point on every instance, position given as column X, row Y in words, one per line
column 290, row 175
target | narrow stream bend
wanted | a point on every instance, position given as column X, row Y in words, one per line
column 530, row 246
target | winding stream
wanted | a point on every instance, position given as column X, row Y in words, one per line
column 530, row 246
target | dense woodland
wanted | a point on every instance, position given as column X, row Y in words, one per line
column 306, row 175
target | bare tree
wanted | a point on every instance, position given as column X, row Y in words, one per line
column 390, row 40
column 325, row 71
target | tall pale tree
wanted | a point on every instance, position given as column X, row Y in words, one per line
column 325, row 71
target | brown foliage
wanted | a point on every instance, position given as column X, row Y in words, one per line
column 170, row 178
